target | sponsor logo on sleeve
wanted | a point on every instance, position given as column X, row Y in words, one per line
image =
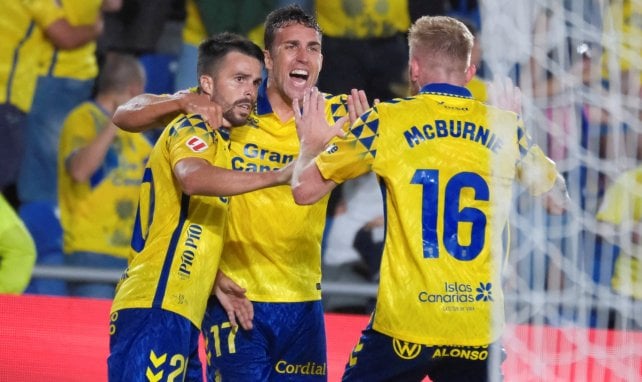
column 196, row 144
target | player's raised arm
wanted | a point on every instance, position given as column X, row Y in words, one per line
column 147, row 111
column 308, row 185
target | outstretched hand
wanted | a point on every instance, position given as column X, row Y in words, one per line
column 358, row 104
column 502, row 93
column 200, row 103
column 311, row 124
column 232, row 297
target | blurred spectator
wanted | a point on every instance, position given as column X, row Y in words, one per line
column 361, row 203
column 100, row 168
column 621, row 213
column 365, row 47
column 150, row 30
column 26, row 29
column 621, row 73
column 193, row 33
column 66, row 80
column 476, row 85
column 205, row 18
column 17, row 251
column 369, row 243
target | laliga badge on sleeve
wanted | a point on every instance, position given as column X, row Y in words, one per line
column 196, row 144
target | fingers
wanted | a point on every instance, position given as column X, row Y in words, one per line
column 357, row 104
column 339, row 131
column 296, row 107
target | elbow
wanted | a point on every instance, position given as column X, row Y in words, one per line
column 302, row 196
column 189, row 185
column 122, row 119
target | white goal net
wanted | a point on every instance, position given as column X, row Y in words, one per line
column 578, row 64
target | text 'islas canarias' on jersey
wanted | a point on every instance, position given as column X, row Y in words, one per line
column 454, row 292
column 454, row 129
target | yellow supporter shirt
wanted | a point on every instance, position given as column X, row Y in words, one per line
column 273, row 248
column 447, row 165
column 194, row 31
column 363, row 19
column 79, row 63
column 622, row 204
column 177, row 238
column 98, row 215
column 22, row 39
column 622, row 38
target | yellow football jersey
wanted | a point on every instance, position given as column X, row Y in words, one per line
column 79, row 63
column 98, row 215
column 21, row 39
column 447, row 165
column 177, row 238
column 273, row 247
column 622, row 204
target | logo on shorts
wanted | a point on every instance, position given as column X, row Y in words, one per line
column 406, row 350
column 196, row 144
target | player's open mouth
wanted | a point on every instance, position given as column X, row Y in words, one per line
column 245, row 106
column 299, row 75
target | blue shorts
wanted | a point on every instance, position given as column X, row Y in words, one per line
column 287, row 343
column 378, row 358
column 152, row 344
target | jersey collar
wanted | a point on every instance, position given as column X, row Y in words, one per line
column 262, row 103
column 447, row 90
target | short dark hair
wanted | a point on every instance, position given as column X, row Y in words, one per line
column 284, row 16
column 212, row 50
column 118, row 72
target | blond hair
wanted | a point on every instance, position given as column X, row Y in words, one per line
column 441, row 40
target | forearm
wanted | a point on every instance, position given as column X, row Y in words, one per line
column 197, row 177
column 86, row 160
column 66, row 36
column 146, row 111
column 308, row 185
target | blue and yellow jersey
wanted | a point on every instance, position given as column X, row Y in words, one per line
column 622, row 205
column 177, row 238
column 363, row 19
column 79, row 63
column 273, row 248
column 622, row 39
column 98, row 215
column 22, row 39
column 446, row 164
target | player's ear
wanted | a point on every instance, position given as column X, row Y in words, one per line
column 413, row 70
column 269, row 64
column 470, row 72
column 206, row 84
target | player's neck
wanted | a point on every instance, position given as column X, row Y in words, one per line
column 280, row 103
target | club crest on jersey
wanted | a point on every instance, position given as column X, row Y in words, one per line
column 196, row 144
